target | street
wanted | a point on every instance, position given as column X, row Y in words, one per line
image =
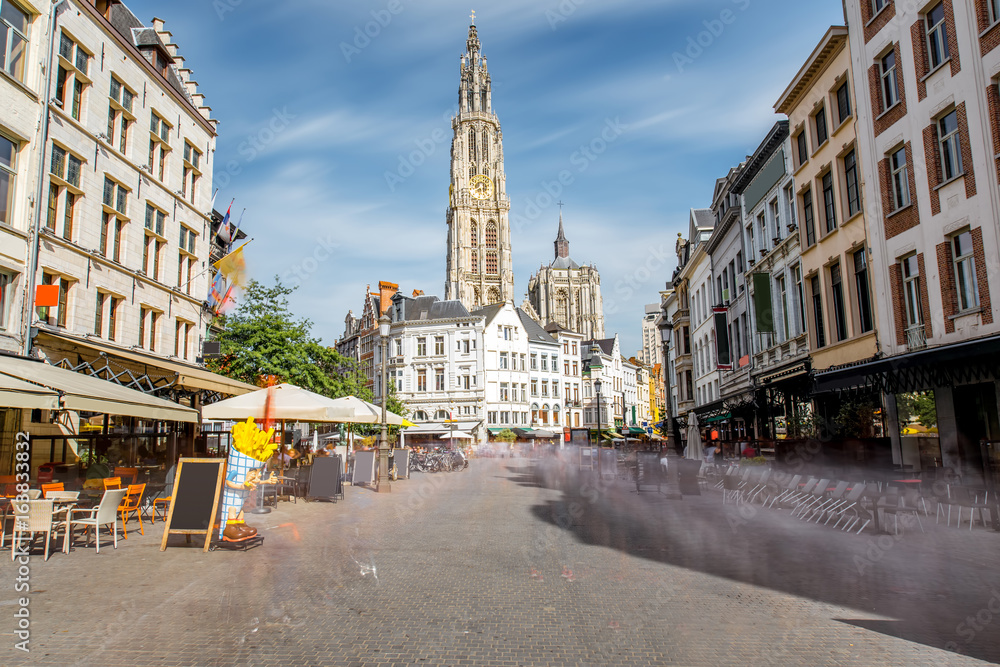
column 515, row 562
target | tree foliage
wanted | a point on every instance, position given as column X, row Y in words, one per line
column 262, row 338
column 507, row 436
column 919, row 405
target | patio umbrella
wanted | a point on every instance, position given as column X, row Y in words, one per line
column 458, row 435
column 289, row 403
column 694, row 448
column 357, row 411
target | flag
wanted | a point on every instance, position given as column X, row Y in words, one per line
column 215, row 294
column 234, row 267
column 224, row 230
column 228, row 302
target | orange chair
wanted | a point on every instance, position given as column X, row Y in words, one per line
column 131, row 473
column 160, row 506
column 131, row 505
column 8, row 485
column 112, row 483
column 55, row 486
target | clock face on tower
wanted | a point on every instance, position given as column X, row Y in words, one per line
column 481, row 187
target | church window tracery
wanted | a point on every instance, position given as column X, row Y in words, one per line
column 491, row 234
column 474, row 231
column 494, row 295
column 492, row 263
column 486, row 145
column 472, row 146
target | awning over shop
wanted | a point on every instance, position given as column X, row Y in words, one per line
column 719, row 418
column 16, row 393
column 187, row 375
column 635, row 430
column 81, row 392
column 787, row 372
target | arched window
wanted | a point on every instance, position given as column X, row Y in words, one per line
column 420, row 416
column 555, row 415
column 472, row 172
column 475, row 261
column 492, row 266
column 474, row 231
column 472, row 146
column 477, row 298
column 494, row 295
column 486, row 140
column 441, row 414
column 482, row 100
column 491, row 234
column 469, row 96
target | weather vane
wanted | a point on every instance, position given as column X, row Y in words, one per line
column 473, row 17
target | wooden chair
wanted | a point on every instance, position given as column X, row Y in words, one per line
column 112, row 483
column 55, row 486
column 131, row 473
column 132, row 504
column 105, row 514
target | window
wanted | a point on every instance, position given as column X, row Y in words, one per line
column 534, row 387
column 118, row 230
column 576, row 368
column 191, row 173
column 504, row 361
column 491, row 235
column 155, row 219
column 115, row 196
column 910, row 269
column 504, row 391
column 421, row 347
column 829, row 208
column 439, row 345
column 439, row 379
column 790, row 206
column 900, row 179
column 99, row 314
column 808, row 218
column 119, row 114
column 6, row 287
column 937, row 36
column 492, row 263
column 545, row 388
column 817, row 298
column 13, row 39
column 864, row 291
column 8, row 173
column 965, row 271
column 878, row 5
column 890, row 85
column 545, row 363
column 821, row 132
column 159, row 146
column 187, row 240
column 843, row 102
column 142, row 326
column 803, row 148
column 474, row 234
column 800, row 304
column 951, row 146
column 994, row 11
column 776, row 218
column 853, row 188
column 839, row 307
column 422, row 380
column 782, row 290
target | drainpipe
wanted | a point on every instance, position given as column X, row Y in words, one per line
column 34, row 242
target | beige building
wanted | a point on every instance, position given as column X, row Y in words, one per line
column 839, row 305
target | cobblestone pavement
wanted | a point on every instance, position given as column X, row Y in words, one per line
column 498, row 565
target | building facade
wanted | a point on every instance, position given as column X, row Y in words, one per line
column 569, row 342
column 567, row 293
column 651, row 353
column 479, row 267
column 545, row 377
column 505, row 364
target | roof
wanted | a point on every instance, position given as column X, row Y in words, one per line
column 607, row 345
column 703, row 217
column 423, row 308
column 775, row 136
column 489, row 312
column 564, row 263
column 829, row 46
column 535, row 332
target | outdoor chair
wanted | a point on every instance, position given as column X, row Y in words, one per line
column 832, row 500
column 730, row 471
column 894, row 503
column 745, row 477
column 112, row 483
column 132, row 504
column 962, row 497
column 8, row 486
column 798, row 495
column 781, row 491
column 48, row 488
column 39, row 517
column 850, row 500
column 105, row 514
column 816, row 497
column 860, row 512
column 63, row 495
column 759, row 486
column 127, row 475
column 731, row 489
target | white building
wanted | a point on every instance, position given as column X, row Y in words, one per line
column 646, row 392
column 436, row 362
column 505, row 364
column 572, row 379
column 652, row 348
column 602, row 360
column 630, row 393
column 699, row 273
column 546, row 382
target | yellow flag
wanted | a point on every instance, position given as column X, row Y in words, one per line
column 234, row 267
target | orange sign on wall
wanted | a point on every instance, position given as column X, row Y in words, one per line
column 46, row 296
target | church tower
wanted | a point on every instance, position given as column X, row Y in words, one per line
column 479, row 269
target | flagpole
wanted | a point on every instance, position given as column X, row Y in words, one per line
column 211, row 266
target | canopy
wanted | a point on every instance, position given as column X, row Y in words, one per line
column 79, row 392
column 290, row 403
column 357, row 411
column 458, row 435
column 16, row 393
column 694, row 439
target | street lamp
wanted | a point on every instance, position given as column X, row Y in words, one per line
column 665, row 331
column 597, row 388
column 383, row 443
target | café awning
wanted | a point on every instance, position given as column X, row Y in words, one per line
column 16, row 393
column 79, row 392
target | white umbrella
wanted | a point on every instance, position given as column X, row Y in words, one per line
column 362, row 412
column 289, row 403
column 694, row 448
column 458, row 435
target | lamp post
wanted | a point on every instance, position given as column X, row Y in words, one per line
column 597, row 388
column 665, row 331
column 383, row 443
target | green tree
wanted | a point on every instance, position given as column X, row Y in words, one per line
column 262, row 338
column 919, row 405
column 507, row 436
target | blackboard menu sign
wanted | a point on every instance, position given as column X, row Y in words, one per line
column 364, row 467
column 588, row 458
column 608, row 464
column 197, row 486
column 649, row 472
column 326, row 478
column 402, row 459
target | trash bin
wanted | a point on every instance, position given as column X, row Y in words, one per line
column 46, row 471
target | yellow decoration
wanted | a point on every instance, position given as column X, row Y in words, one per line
column 251, row 441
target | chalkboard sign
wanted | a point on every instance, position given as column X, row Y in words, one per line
column 688, row 470
column 608, row 464
column 588, row 458
column 402, row 460
column 649, row 472
column 364, row 467
column 325, row 478
column 197, row 486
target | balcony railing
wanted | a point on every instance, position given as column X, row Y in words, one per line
column 916, row 338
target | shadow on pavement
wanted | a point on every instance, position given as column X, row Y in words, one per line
column 928, row 585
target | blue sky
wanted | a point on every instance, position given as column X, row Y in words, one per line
column 310, row 128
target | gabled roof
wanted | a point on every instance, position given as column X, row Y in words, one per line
column 489, row 312
column 534, row 330
column 607, row 345
column 564, row 263
column 425, row 308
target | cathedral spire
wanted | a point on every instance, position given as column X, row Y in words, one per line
column 562, row 245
